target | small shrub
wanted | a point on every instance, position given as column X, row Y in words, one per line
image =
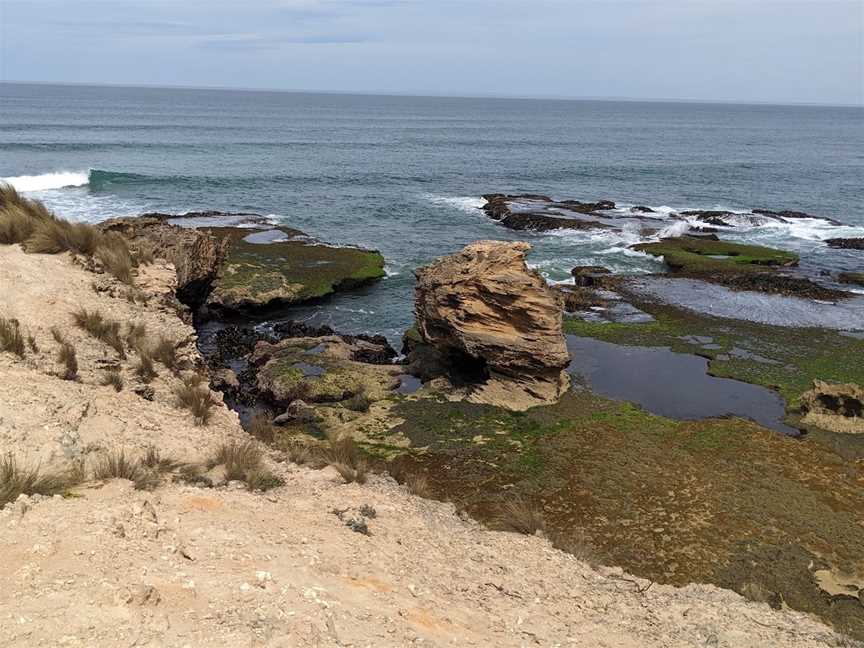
column 263, row 480
column 194, row 395
column 11, row 339
column 69, row 359
column 16, row 480
column 577, row 543
column 261, row 427
column 117, row 465
column 57, row 335
column 100, row 328
column 31, row 342
column 145, row 369
column 358, row 473
column 521, row 516
column 112, row 378
column 359, row 402
column 143, row 254
column 344, row 455
column 305, row 454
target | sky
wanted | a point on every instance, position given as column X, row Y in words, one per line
column 789, row 51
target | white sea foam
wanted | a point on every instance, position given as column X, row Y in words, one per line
column 45, row 181
column 468, row 204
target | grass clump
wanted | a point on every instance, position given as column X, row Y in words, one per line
column 165, row 351
column 420, row 486
column 521, row 516
column 344, row 455
column 244, row 461
column 68, row 357
column 99, row 327
column 16, row 480
column 359, row 402
column 194, row 395
column 118, row 465
column 136, row 335
column 11, row 339
column 112, row 378
column 29, row 223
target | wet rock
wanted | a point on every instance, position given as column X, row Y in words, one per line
column 495, row 324
column 589, row 276
column 280, row 266
column 224, row 380
column 709, row 256
column 846, row 243
column 834, row 407
column 789, row 214
column 539, row 213
column 577, row 298
column 298, row 410
column 539, row 222
column 642, row 209
column 195, row 254
column 585, row 208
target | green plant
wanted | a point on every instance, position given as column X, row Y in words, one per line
column 117, row 465
column 244, row 461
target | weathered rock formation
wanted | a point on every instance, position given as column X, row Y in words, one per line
column 540, row 213
column 834, row 407
column 196, row 254
column 495, row 324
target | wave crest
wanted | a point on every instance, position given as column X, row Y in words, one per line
column 46, row 181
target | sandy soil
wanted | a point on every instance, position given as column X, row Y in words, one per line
column 190, row 566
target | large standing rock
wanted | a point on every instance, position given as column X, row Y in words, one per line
column 835, row 407
column 496, row 324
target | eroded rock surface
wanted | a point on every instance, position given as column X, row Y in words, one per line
column 835, row 407
column 495, row 323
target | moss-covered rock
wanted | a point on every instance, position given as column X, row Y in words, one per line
column 704, row 256
column 287, row 269
column 852, row 278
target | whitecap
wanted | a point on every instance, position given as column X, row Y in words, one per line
column 45, row 181
column 468, row 204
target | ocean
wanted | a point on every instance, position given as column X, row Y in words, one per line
column 405, row 175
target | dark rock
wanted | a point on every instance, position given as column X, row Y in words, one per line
column 846, row 243
column 589, row 276
column 642, row 209
column 585, row 208
column 851, row 278
column 579, row 299
column 540, row 222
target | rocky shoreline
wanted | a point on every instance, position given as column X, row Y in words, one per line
column 478, row 411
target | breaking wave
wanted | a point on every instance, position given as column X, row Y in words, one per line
column 46, row 181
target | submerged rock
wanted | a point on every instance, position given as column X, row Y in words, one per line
column 852, row 278
column 280, row 266
column 695, row 255
column 495, row 325
column 834, row 407
column 540, row 213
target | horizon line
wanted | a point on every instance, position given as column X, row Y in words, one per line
column 430, row 95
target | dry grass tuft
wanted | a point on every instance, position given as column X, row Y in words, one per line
column 117, row 465
column 143, row 254
column 153, row 460
column 16, row 480
column 112, row 378
column 420, row 486
column 344, row 455
column 11, row 339
column 54, row 235
column 69, row 359
column 261, row 426
column 521, row 516
column 577, row 543
column 16, row 225
column 113, row 252
column 194, row 395
column 244, row 461
column 31, row 342
column 101, row 328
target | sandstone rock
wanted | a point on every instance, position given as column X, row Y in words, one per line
column 195, row 254
column 834, row 407
column 496, row 323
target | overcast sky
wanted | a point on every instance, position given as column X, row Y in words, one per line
column 739, row 50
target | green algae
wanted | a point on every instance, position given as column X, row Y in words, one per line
column 705, row 256
column 264, row 274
